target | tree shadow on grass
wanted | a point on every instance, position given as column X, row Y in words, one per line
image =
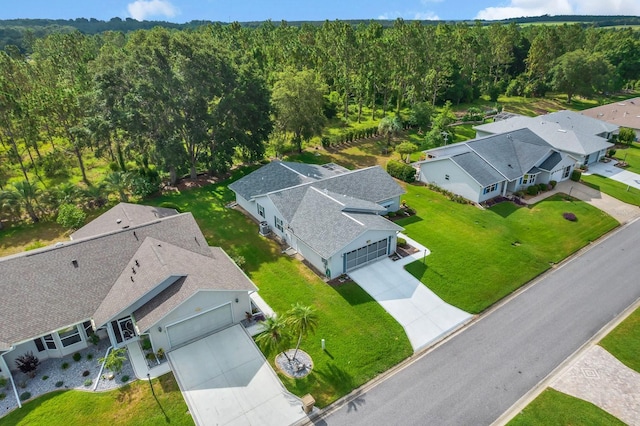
column 353, row 293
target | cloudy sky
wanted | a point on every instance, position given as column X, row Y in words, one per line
column 292, row 10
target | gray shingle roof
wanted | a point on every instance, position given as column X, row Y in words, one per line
column 278, row 175
column 122, row 216
column 477, row 168
column 43, row 290
column 578, row 122
column 371, row 184
column 553, row 160
column 321, row 222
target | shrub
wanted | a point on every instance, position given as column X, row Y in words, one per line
column 28, row 363
column 64, row 365
column 553, row 183
column 55, row 164
column 124, row 379
column 542, row 186
column 45, row 377
column 2, row 396
column 88, row 383
column 325, row 141
column 532, row 190
column 570, row 216
column 77, row 357
column 59, row 383
column 611, row 153
column 402, row 242
column 25, row 395
column 114, row 360
column 401, row 171
column 576, row 175
column 146, row 344
column 85, row 373
column 170, row 205
column 3, row 382
column 89, row 356
column 94, row 339
column 70, row 216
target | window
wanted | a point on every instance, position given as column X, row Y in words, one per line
column 490, row 188
column 567, row 170
column 69, row 336
column 446, row 177
column 260, row 209
column 529, row 179
column 279, row 224
column 48, row 340
column 39, row 344
column 123, row 329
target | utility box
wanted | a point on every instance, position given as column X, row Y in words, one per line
column 264, row 228
column 308, row 403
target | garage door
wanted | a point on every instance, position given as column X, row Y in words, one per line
column 366, row 254
column 199, row 325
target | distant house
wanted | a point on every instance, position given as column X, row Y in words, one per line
column 485, row 168
column 585, row 139
column 134, row 271
column 618, row 114
column 328, row 214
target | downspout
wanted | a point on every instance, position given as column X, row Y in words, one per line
column 102, row 368
column 13, row 384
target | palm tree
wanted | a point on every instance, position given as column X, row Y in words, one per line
column 118, row 182
column 302, row 320
column 274, row 336
column 389, row 127
column 26, row 195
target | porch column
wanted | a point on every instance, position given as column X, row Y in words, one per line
column 504, row 188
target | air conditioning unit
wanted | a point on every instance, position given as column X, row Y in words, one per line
column 264, row 228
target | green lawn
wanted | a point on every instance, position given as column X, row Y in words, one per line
column 480, row 256
column 613, row 188
column 624, row 341
column 362, row 340
column 631, row 155
column 556, row 408
column 132, row 404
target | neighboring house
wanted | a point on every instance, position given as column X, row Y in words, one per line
column 485, row 168
column 618, row 114
column 135, row 270
column 585, row 139
column 328, row 214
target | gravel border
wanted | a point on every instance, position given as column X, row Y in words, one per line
column 72, row 377
column 298, row 368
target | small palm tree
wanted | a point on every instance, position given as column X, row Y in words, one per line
column 26, row 195
column 389, row 127
column 118, row 182
column 302, row 320
column 115, row 360
column 274, row 336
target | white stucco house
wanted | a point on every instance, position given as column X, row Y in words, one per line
column 485, row 168
column 618, row 114
column 134, row 271
column 328, row 214
column 583, row 138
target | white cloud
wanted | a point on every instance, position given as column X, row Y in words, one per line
column 426, row 16
column 520, row 8
column 143, row 9
column 421, row 16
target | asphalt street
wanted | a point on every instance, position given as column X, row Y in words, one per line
column 477, row 375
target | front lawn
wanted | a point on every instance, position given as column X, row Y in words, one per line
column 619, row 190
column 362, row 340
column 631, row 155
column 624, row 341
column 480, row 256
column 556, row 408
column 132, row 404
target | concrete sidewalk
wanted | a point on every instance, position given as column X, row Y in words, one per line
column 610, row 171
column 424, row 316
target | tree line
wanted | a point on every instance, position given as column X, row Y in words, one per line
column 165, row 102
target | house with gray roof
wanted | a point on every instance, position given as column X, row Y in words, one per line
column 330, row 215
column 583, row 138
column 496, row 165
column 134, row 271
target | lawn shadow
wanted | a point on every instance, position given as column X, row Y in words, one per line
column 504, row 209
column 409, row 220
column 353, row 293
column 334, row 376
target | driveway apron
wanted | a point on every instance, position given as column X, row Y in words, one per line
column 424, row 316
column 616, row 173
column 226, row 380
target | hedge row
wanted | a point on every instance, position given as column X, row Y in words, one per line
column 401, row 171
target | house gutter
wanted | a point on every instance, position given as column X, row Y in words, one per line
column 102, row 368
column 13, row 384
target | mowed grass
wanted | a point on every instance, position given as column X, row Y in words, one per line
column 556, row 408
column 619, row 190
column 133, row 404
column 362, row 340
column 631, row 155
column 480, row 256
column 624, row 341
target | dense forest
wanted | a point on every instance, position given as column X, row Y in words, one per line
column 156, row 104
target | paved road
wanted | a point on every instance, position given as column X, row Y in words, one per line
column 476, row 376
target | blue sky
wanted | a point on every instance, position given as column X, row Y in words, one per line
column 292, row 10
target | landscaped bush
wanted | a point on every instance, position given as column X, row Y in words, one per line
column 576, row 175
column 89, row 356
column 402, row 242
column 533, row 190
column 2, row 396
column 45, row 377
column 28, row 363
column 77, row 357
column 611, row 153
column 553, row 183
column 542, row 187
column 3, row 382
column 59, row 383
column 25, row 395
column 88, row 383
column 401, row 171
column 450, row 195
column 124, row 379
column 64, row 365
column 570, row 216
column 146, row 344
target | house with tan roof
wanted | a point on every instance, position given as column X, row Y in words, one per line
column 134, row 271
column 619, row 114
column 330, row 215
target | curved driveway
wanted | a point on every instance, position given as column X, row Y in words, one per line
column 478, row 374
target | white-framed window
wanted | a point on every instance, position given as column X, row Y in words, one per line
column 490, row 188
column 48, row 340
column 279, row 224
column 69, row 336
column 567, row 171
column 260, row 209
column 529, row 179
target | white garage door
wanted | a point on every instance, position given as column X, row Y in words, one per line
column 366, row 254
column 199, row 325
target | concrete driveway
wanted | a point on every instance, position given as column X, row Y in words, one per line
column 226, row 380
column 424, row 316
column 616, row 173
